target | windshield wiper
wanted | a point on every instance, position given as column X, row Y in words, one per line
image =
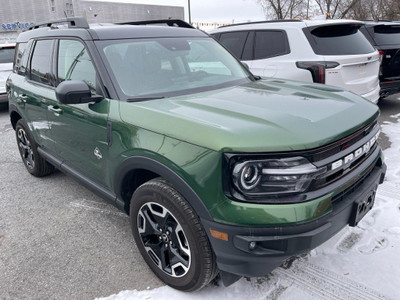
column 137, row 99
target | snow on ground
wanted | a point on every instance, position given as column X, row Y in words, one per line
column 358, row 263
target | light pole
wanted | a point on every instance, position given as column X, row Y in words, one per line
column 190, row 18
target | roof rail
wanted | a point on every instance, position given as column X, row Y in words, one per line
column 169, row 22
column 75, row 22
column 260, row 22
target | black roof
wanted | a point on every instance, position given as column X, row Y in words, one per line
column 137, row 31
column 107, row 31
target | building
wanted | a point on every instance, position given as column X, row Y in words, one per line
column 17, row 15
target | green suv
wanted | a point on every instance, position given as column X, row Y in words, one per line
column 221, row 172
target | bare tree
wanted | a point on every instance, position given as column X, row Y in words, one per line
column 283, row 9
column 336, row 8
column 333, row 9
column 376, row 10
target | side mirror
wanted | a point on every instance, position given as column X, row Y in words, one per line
column 75, row 92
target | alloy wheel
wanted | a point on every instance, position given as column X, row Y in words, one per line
column 164, row 239
column 25, row 148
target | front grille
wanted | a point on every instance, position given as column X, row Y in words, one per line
column 340, row 145
column 332, row 176
column 342, row 195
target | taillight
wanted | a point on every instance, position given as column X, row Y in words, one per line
column 381, row 55
column 317, row 68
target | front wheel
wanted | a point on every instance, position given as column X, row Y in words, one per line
column 170, row 237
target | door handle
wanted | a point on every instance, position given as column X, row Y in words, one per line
column 55, row 109
column 23, row 97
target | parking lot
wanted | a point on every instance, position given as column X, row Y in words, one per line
column 58, row 240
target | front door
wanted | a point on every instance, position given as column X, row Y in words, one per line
column 79, row 131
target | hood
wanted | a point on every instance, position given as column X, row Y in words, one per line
column 262, row 116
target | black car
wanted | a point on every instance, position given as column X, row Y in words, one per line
column 385, row 36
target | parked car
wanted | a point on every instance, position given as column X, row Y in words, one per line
column 333, row 52
column 219, row 170
column 385, row 36
column 6, row 62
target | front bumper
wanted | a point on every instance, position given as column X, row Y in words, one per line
column 273, row 245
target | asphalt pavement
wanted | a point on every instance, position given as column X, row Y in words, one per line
column 58, row 240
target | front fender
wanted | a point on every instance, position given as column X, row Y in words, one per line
column 145, row 163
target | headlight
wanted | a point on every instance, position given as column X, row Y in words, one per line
column 254, row 178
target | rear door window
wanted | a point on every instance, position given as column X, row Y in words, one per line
column 234, row 41
column 387, row 34
column 343, row 39
column 40, row 63
column 270, row 43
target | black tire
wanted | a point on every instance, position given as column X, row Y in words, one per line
column 34, row 163
column 177, row 240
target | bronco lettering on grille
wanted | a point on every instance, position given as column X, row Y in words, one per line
column 355, row 154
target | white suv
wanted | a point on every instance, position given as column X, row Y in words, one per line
column 6, row 64
column 333, row 52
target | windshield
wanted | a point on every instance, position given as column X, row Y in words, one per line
column 167, row 67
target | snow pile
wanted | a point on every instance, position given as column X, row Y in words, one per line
column 358, row 263
column 392, row 155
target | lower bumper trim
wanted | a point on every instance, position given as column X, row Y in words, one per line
column 256, row 251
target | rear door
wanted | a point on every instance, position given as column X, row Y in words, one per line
column 358, row 61
column 36, row 89
column 270, row 47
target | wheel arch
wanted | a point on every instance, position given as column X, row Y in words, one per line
column 135, row 171
column 14, row 115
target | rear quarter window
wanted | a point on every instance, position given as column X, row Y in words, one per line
column 387, row 34
column 338, row 40
column 19, row 53
column 270, row 43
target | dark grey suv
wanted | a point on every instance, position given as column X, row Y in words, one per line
column 385, row 36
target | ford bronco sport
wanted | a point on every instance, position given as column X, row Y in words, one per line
column 220, row 171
